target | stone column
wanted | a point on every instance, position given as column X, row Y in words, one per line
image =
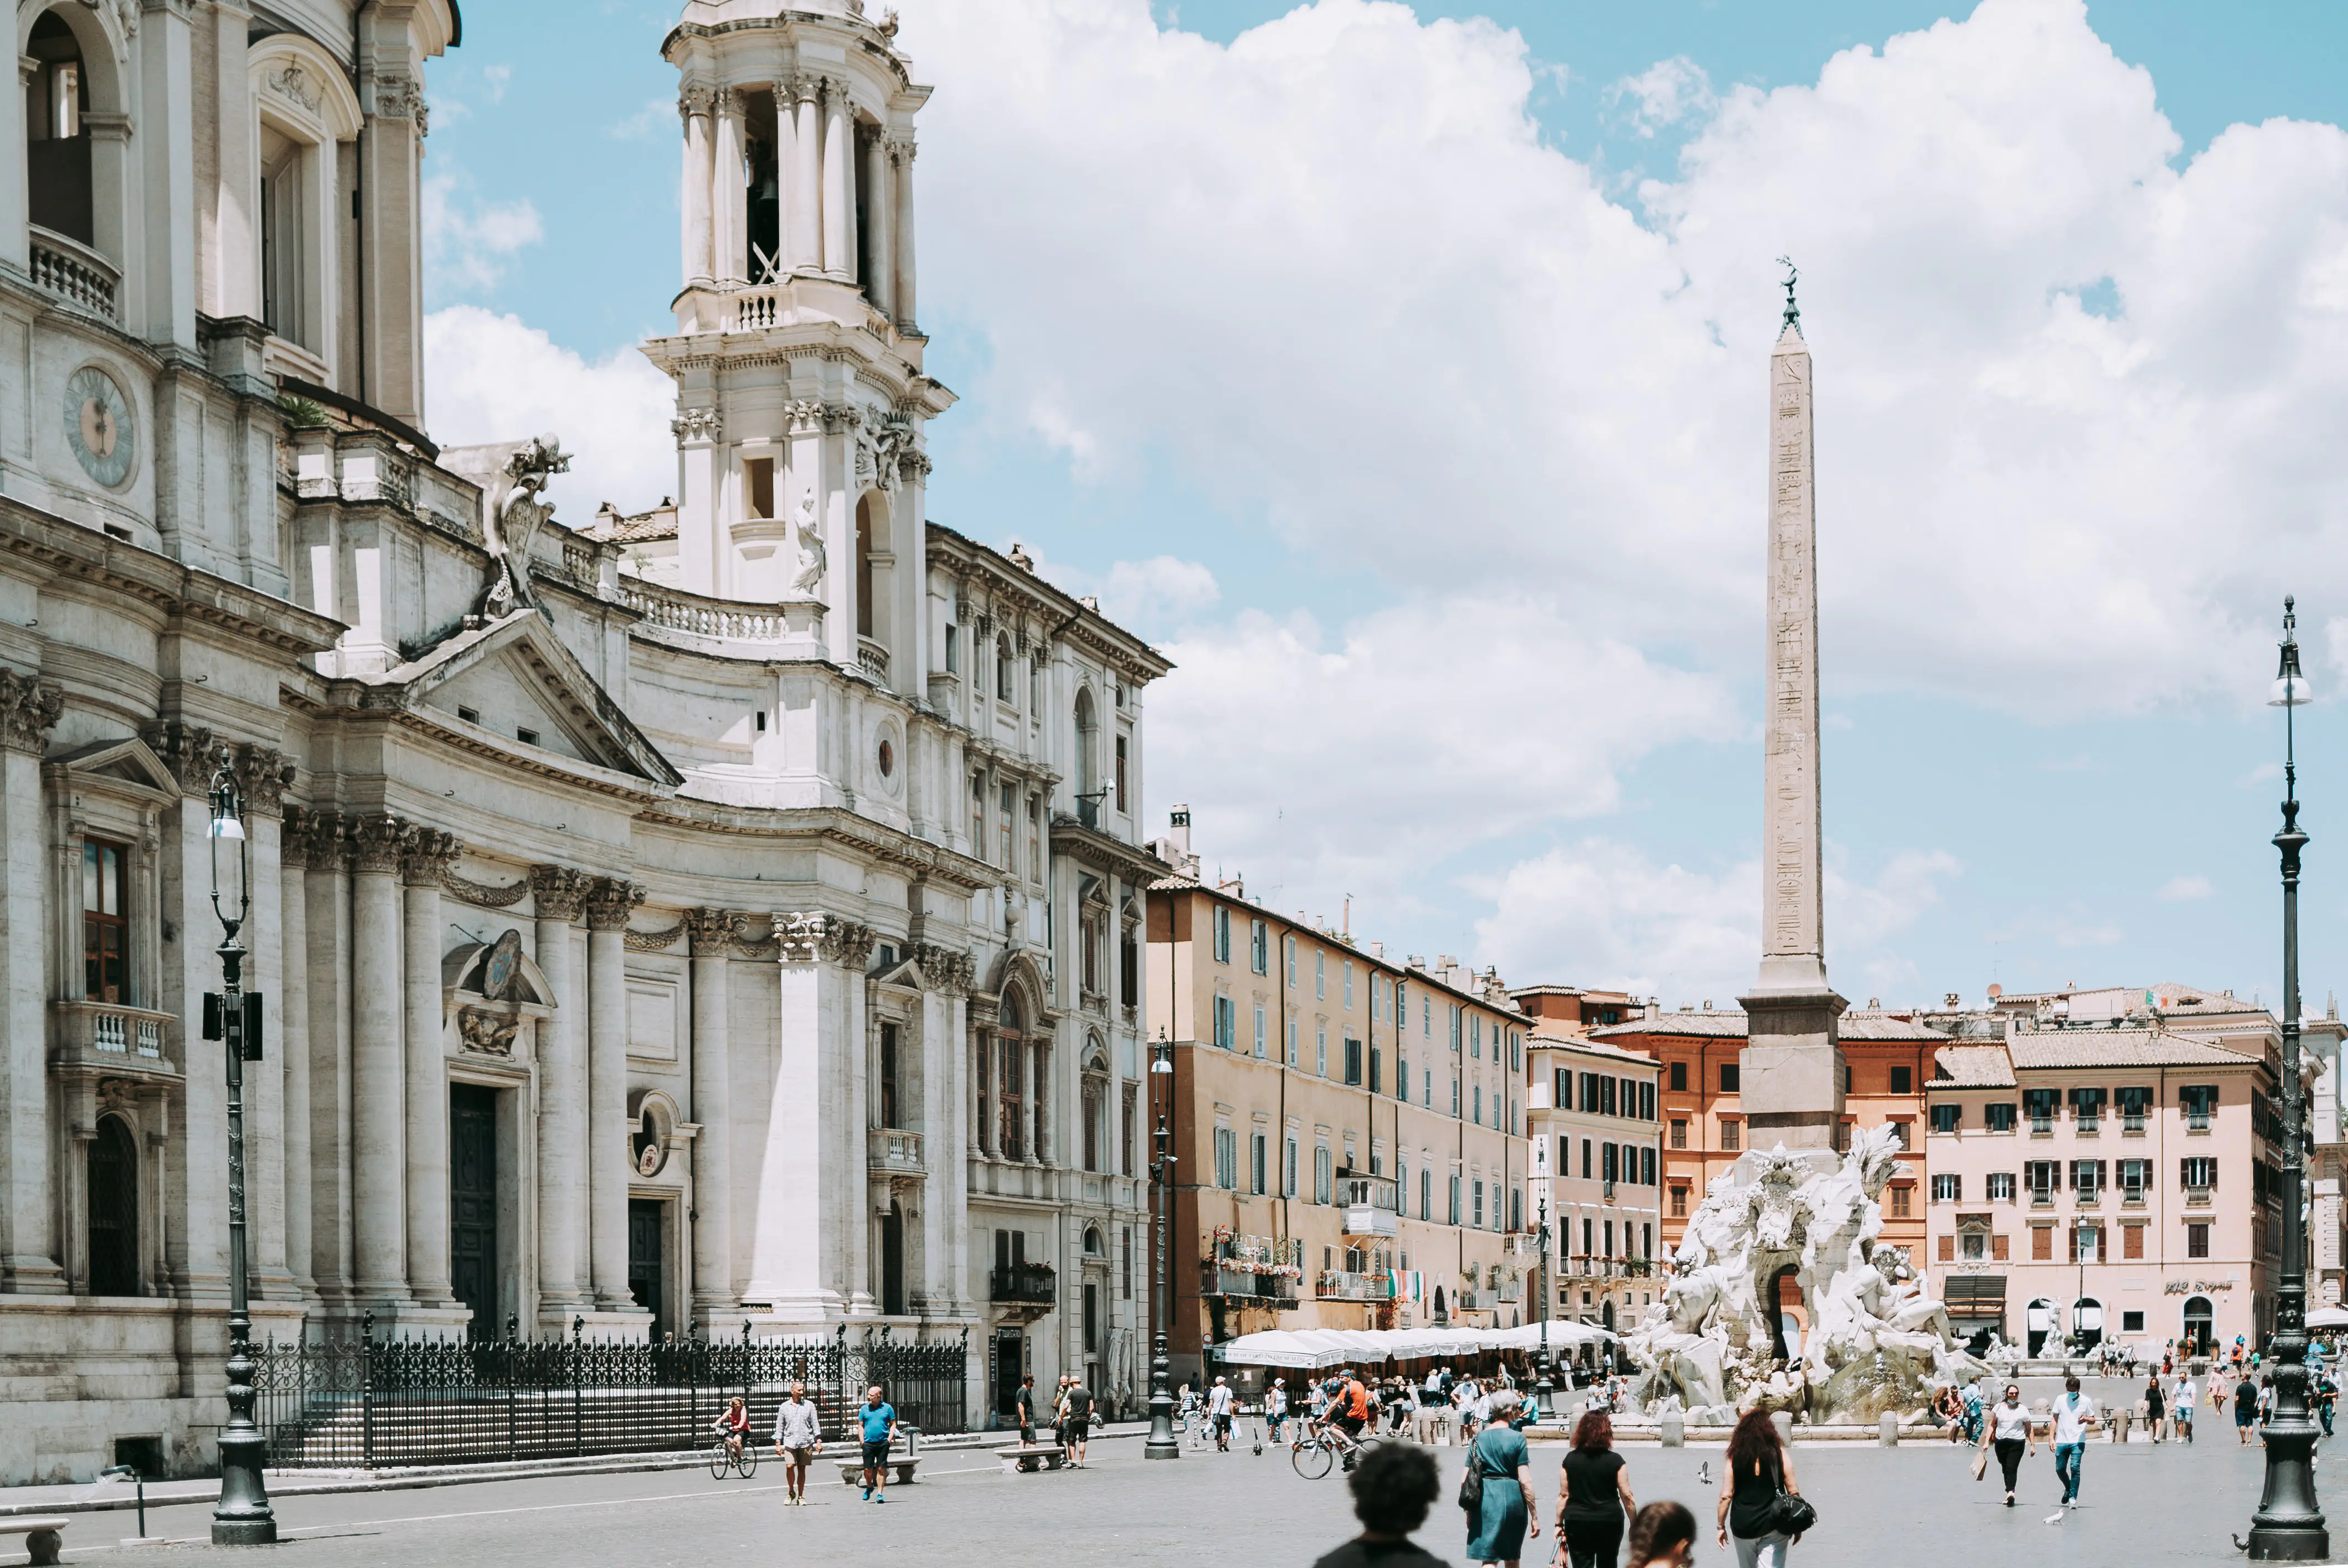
column 28, row 709
column 378, row 1064
column 901, row 238
column 692, row 107
column 608, row 1167
column 428, row 852
column 787, row 193
column 1791, row 1071
column 290, row 1020
column 878, row 204
column 391, row 230
column 712, row 933
column 839, row 184
column 729, row 198
column 261, row 775
column 845, row 946
column 327, row 940
column 559, row 893
column 806, row 212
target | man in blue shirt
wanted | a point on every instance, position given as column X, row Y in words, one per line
column 880, row 1418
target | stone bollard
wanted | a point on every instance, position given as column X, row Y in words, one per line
column 1674, row 1429
column 1887, row 1430
column 1784, row 1421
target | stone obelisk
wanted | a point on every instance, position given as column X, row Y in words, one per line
column 1790, row 1081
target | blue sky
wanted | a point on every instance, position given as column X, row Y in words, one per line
column 1527, row 642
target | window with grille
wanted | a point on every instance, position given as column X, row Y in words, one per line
column 2198, row 1174
column 2039, row 1104
column 2000, row 1186
column 2134, row 1103
column 105, row 923
column 2200, row 1103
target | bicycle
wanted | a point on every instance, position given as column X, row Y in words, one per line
column 1319, row 1446
column 724, row 1456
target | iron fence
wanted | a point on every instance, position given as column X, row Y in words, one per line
column 374, row 1403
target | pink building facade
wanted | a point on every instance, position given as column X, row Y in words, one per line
column 2102, row 1182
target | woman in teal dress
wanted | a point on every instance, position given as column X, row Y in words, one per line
column 1497, row 1530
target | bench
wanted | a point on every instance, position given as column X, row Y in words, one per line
column 1028, row 1460
column 851, row 1470
column 43, row 1534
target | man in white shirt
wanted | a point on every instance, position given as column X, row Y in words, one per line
column 1218, row 1410
column 2075, row 1418
column 2180, row 1406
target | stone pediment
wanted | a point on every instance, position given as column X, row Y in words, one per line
column 515, row 674
column 128, row 766
column 492, row 989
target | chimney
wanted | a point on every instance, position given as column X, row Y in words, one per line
column 1177, row 832
column 1952, row 1001
column 1378, row 951
column 1654, row 1008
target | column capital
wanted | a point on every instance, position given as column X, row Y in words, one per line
column 950, row 973
column 609, row 902
column 559, row 892
column 378, row 841
column 427, row 857
column 192, row 753
column 725, row 101
column 29, row 707
column 702, row 425
column 320, row 837
column 263, row 774
column 696, row 98
column 711, row 931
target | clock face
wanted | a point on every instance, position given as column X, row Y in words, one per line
column 100, row 427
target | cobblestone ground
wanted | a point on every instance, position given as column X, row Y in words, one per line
column 1912, row 1504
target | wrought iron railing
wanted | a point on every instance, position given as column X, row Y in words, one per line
column 374, row 1403
column 1028, row 1282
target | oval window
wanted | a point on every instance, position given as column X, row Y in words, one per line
column 888, row 760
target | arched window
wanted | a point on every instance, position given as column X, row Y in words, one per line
column 113, row 1210
column 57, row 146
column 1092, row 1241
column 1003, row 667
column 2201, row 1335
column 1010, row 1081
column 307, row 109
column 864, row 622
column 1088, row 759
column 1094, row 1101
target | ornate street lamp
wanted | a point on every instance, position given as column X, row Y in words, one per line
column 2289, row 1525
column 1162, row 1443
column 243, row 1517
column 1544, row 1394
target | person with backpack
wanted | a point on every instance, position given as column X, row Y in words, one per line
column 1078, row 1404
column 1497, row 1491
column 1760, row 1471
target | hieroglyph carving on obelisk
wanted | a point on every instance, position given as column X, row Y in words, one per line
column 1790, row 1084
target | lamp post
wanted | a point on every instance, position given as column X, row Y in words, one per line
column 243, row 1517
column 2289, row 1525
column 1161, row 1444
column 1544, row 1395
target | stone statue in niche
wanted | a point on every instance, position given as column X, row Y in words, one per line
column 513, row 509
column 807, row 537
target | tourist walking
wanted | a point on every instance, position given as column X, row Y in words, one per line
column 1219, row 1411
column 2246, row 1408
column 1758, row 1470
column 2183, row 1397
column 1664, row 1536
column 2153, row 1407
column 1392, row 1489
column 1022, row 1404
column 2075, row 1418
column 880, row 1422
column 1275, row 1408
column 2011, row 1434
column 1503, row 1517
column 1078, row 1404
column 799, row 1437
column 1593, row 1495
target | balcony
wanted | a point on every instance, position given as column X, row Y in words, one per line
column 1024, row 1285
column 122, row 1041
column 2196, row 1197
column 872, row 658
column 1520, row 1244
column 1472, row 1301
column 1244, row 1286
column 72, row 271
column 1335, row 1285
column 1368, row 1219
column 1510, row 1290
column 893, row 1152
column 2042, row 1126
column 689, row 620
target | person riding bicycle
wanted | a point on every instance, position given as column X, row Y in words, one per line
column 733, row 1425
column 1350, row 1411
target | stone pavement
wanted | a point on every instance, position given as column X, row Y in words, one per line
column 1915, row 1503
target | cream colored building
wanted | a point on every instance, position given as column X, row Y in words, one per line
column 1349, row 1131
column 1597, row 1173
column 650, row 947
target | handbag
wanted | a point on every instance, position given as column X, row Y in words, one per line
column 1981, row 1464
column 1471, row 1485
column 1790, row 1513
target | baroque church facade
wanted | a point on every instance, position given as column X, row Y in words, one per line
column 722, row 914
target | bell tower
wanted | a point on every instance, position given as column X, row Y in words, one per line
column 802, row 404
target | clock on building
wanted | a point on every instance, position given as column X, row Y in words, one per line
column 100, row 427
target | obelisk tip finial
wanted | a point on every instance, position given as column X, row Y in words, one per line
column 1793, row 312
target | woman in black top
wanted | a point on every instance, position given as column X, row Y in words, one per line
column 1759, row 1468
column 1593, row 1495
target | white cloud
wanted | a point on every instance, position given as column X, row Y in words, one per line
column 1158, row 593
column 490, row 378
column 1322, row 765
column 1665, row 94
column 468, row 242
column 1361, row 297
column 2182, row 889
column 1600, row 913
column 656, row 117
